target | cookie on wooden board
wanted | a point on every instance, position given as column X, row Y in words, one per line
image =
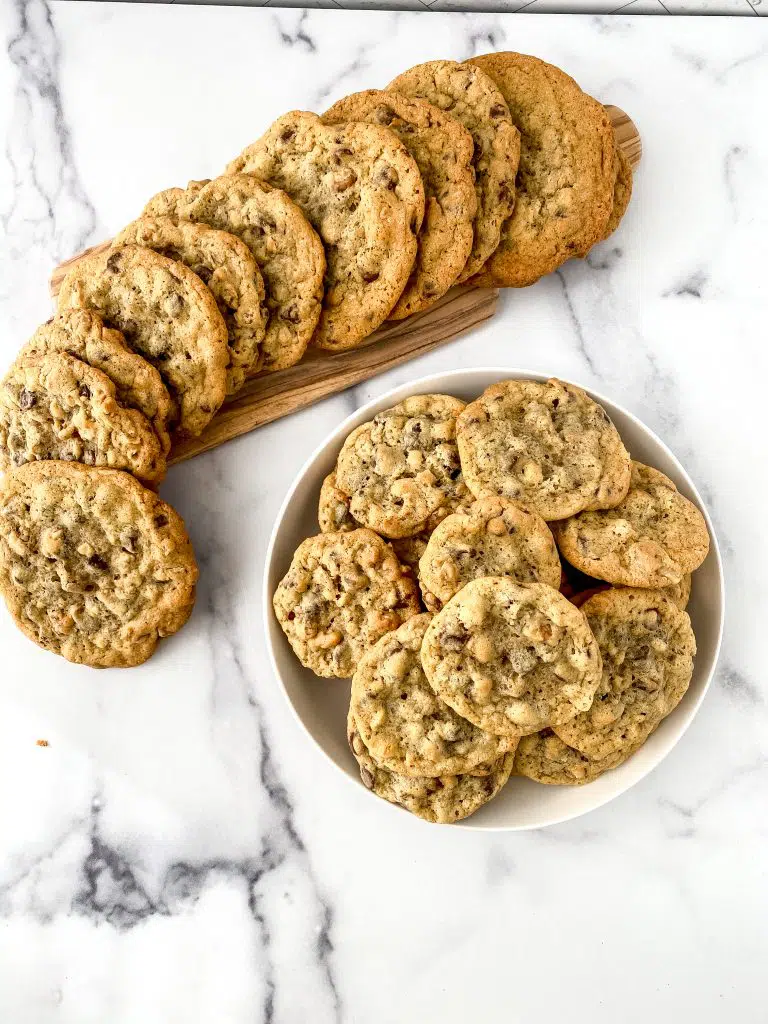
column 361, row 190
column 566, row 176
column 93, row 566
column 443, row 150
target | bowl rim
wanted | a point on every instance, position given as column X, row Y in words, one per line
column 421, row 385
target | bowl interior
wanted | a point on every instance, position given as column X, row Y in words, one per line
column 321, row 705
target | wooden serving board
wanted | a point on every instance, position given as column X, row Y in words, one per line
column 319, row 374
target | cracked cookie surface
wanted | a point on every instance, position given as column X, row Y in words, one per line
column 546, row 445
column 343, row 592
column 362, row 192
column 468, row 94
column 653, row 538
column 93, row 566
column 510, row 657
column 442, row 149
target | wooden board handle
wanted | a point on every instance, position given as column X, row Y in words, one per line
column 627, row 136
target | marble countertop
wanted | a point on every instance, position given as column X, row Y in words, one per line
column 178, row 851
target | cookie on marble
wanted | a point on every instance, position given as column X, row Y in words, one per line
column 653, row 538
column 227, row 267
column 544, row 757
column 362, row 192
column 286, row 248
column 333, row 514
column 546, row 445
column 167, row 315
column 493, row 537
column 403, row 465
column 443, row 150
column 440, row 800
column 403, row 723
column 93, row 566
column 342, row 593
column 647, row 648
column 565, row 180
column 54, row 406
column 469, row 95
column 512, row 658
column 83, row 334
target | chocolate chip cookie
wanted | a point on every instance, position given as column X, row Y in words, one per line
column 647, row 648
column 439, row 800
column 565, row 181
column 54, row 406
column 227, row 267
column 545, row 445
column 361, row 190
column 403, row 465
column 92, row 565
column 493, row 537
column 653, row 538
column 333, row 513
column 342, row 593
column 403, row 723
column 443, row 150
column 545, row 758
column 512, row 658
column 286, row 248
column 167, row 315
column 622, row 192
column 469, row 95
column 83, row 334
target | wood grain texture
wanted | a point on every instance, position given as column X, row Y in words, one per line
column 627, row 136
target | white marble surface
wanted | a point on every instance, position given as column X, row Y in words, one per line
column 178, row 852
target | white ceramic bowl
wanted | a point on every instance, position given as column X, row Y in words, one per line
column 320, row 705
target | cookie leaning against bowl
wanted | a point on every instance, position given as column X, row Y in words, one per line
column 287, row 250
column 566, row 177
column 470, row 96
column 492, row 537
column 92, row 565
column 653, row 538
column 167, row 315
column 544, row 757
column 440, row 800
column 546, row 445
column 442, row 149
column 403, row 723
column 512, row 658
column 227, row 267
column 647, row 648
column 403, row 465
column 54, row 406
column 83, row 334
column 342, row 593
column 361, row 190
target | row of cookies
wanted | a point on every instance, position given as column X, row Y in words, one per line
column 501, row 672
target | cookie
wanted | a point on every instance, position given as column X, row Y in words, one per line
column 402, row 466
column 443, row 150
column 565, row 180
column 493, row 537
column 403, row 723
column 361, row 190
column 167, row 315
column 342, row 593
column 470, row 96
column 333, row 513
column 227, row 267
column 622, row 192
column 545, row 758
column 286, row 248
column 653, row 538
column 679, row 593
column 54, row 406
column 647, row 648
column 438, row 800
column 546, row 445
column 93, row 566
column 512, row 658
column 410, row 549
column 83, row 334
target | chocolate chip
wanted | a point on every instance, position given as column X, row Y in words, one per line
column 27, row 399
column 384, row 115
column 115, row 261
column 98, row 562
column 161, row 520
column 291, row 315
column 84, row 391
column 388, row 176
column 369, row 275
column 287, row 134
column 498, row 110
column 367, row 778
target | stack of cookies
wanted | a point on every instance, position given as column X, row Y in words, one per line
column 493, row 171
column 506, row 589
